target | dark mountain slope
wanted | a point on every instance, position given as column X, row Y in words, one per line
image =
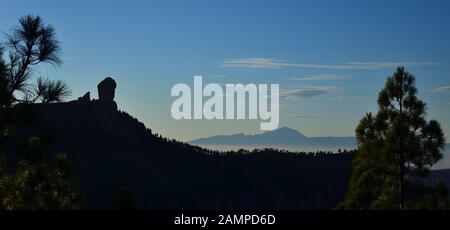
column 110, row 149
column 433, row 176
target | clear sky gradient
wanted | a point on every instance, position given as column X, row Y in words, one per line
column 330, row 57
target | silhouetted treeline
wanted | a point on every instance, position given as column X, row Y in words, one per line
column 111, row 149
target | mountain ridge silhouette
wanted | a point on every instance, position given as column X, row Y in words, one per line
column 111, row 149
column 282, row 138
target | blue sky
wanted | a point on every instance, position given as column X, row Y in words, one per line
column 332, row 57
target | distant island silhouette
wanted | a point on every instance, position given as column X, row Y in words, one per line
column 110, row 150
column 282, row 138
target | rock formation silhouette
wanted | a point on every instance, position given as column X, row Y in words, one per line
column 85, row 98
column 106, row 89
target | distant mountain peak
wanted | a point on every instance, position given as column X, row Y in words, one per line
column 285, row 131
column 289, row 130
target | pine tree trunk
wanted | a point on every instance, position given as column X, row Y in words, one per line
column 401, row 184
column 402, row 164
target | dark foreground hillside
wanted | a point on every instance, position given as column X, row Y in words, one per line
column 110, row 150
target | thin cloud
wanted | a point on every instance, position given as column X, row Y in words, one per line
column 307, row 92
column 319, row 77
column 67, row 58
column 218, row 76
column 254, row 63
column 442, row 89
column 299, row 116
column 353, row 98
column 272, row 63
